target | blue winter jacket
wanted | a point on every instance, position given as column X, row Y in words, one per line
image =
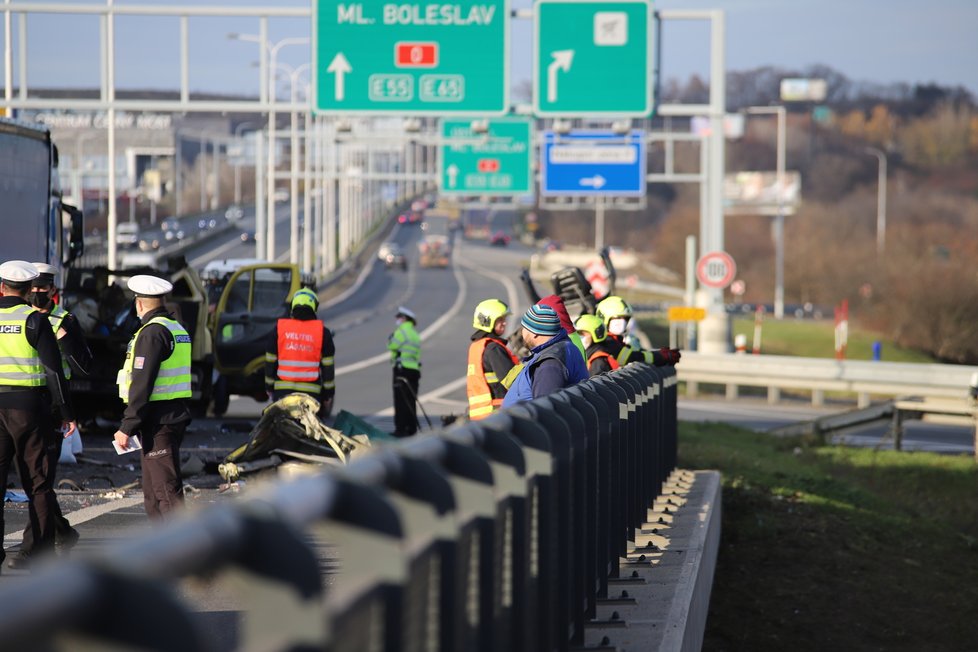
column 551, row 366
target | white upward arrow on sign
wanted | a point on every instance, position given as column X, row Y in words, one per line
column 339, row 66
column 452, row 171
column 562, row 61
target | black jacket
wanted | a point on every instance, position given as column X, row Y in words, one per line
column 74, row 347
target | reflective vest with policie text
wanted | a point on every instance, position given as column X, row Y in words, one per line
column 20, row 363
column 479, row 381
column 56, row 317
column 300, row 350
column 405, row 347
column 173, row 379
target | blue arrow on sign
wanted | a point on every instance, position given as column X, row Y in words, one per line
column 593, row 163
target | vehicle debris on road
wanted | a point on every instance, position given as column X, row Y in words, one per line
column 290, row 429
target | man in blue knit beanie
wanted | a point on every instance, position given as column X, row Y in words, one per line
column 554, row 362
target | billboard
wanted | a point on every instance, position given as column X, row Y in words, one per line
column 803, row 90
column 757, row 193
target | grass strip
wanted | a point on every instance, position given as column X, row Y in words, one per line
column 834, row 548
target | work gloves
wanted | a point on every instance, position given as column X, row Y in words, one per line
column 666, row 357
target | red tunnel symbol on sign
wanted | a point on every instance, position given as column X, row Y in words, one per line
column 488, row 165
column 415, row 55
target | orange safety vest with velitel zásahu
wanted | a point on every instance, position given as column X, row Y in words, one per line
column 478, row 381
column 300, row 346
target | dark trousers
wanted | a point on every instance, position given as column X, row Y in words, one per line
column 405, row 403
column 24, row 436
column 63, row 532
column 162, row 484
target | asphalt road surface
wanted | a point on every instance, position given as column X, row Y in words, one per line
column 103, row 500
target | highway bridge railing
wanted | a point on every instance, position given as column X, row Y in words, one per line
column 819, row 375
column 500, row 534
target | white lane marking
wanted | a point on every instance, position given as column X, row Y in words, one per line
column 430, row 396
column 426, row 333
column 216, row 253
column 89, row 513
column 360, row 279
column 511, row 292
column 751, row 411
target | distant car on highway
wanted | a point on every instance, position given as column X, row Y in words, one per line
column 409, row 217
column 170, row 224
column 175, row 234
column 149, row 243
column 392, row 255
column 133, row 259
column 248, row 236
column 233, row 213
column 127, row 234
column 499, row 239
column 281, row 196
column 206, row 224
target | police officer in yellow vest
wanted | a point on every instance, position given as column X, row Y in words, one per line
column 76, row 357
column 405, row 347
column 155, row 384
column 75, row 360
column 31, row 380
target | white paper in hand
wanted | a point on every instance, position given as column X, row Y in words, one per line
column 134, row 445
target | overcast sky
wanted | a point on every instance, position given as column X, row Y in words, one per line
column 883, row 41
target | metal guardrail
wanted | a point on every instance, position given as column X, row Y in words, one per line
column 500, row 534
column 821, row 374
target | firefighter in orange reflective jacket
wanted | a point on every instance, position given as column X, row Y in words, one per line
column 299, row 355
column 594, row 336
column 489, row 359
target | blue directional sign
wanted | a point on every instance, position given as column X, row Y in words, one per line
column 593, row 163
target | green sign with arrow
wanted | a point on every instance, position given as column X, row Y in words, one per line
column 494, row 163
column 411, row 58
column 593, row 58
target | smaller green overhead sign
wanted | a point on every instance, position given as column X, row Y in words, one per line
column 493, row 163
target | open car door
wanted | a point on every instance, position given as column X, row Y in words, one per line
column 254, row 299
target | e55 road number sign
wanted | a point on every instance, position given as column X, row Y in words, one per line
column 411, row 58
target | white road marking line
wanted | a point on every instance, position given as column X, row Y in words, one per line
column 89, row 513
column 426, row 333
column 430, row 396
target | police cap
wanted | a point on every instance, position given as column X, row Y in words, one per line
column 45, row 274
column 17, row 272
column 404, row 312
column 144, row 285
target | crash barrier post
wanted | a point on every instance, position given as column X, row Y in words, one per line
column 500, row 534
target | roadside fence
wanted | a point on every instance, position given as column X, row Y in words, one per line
column 500, row 534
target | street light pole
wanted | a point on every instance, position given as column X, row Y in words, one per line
column 779, row 218
column 237, row 164
column 268, row 75
column 294, row 159
column 880, row 200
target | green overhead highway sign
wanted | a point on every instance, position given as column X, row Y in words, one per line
column 498, row 166
column 593, row 58
column 411, row 58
